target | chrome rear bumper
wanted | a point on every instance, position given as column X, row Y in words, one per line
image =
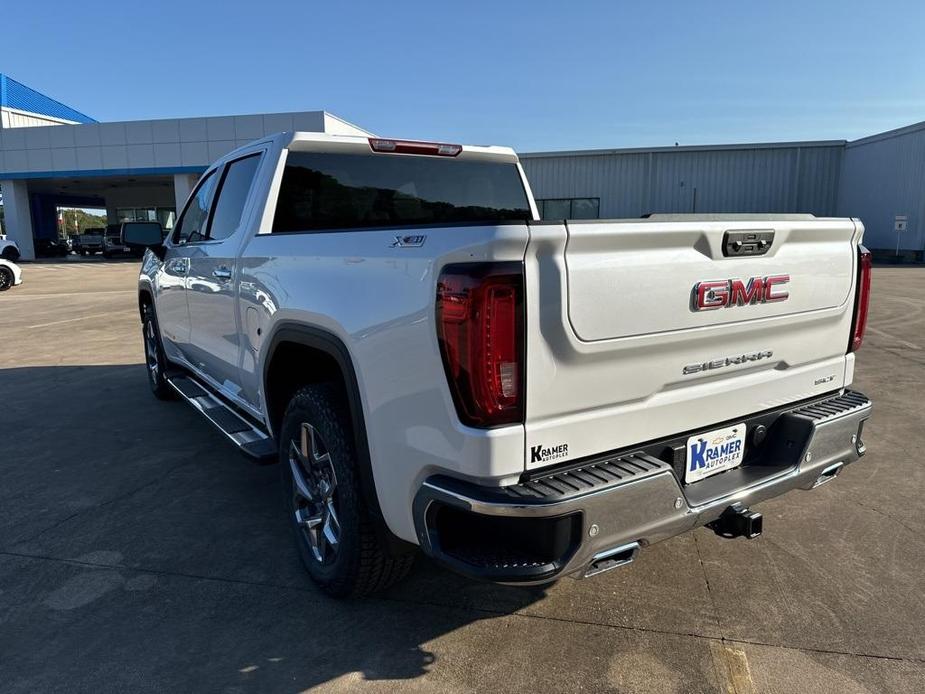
column 598, row 514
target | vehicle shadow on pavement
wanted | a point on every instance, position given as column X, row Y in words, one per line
column 149, row 548
column 139, row 551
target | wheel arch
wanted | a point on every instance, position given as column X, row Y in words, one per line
column 11, row 253
column 286, row 339
column 145, row 298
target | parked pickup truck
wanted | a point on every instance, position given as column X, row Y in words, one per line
column 114, row 240
column 89, row 242
column 433, row 366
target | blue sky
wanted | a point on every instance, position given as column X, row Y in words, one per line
column 534, row 75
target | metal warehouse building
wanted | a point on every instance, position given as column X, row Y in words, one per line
column 145, row 169
column 788, row 177
column 880, row 179
column 883, row 182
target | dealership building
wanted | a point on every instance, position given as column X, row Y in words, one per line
column 52, row 156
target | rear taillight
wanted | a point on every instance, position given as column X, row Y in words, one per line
column 862, row 299
column 436, row 149
column 480, row 328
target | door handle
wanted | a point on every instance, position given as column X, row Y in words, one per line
column 221, row 273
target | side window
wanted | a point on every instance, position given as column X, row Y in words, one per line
column 554, row 209
column 586, row 208
column 569, row 208
column 232, row 196
column 192, row 226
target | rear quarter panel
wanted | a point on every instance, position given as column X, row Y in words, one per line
column 378, row 300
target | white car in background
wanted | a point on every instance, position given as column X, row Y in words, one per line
column 10, row 275
column 8, row 249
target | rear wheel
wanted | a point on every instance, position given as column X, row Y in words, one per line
column 10, row 253
column 155, row 362
column 336, row 538
column 6, row 278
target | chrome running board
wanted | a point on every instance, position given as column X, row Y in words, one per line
column 250, row 439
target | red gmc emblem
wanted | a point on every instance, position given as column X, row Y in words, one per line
column 708, row 296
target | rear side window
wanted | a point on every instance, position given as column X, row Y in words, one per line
column 232, row 195
column 323, row 191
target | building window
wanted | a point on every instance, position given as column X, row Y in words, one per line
column 167, row 216
column 569, row 208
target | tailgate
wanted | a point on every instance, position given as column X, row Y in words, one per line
column 647, row 328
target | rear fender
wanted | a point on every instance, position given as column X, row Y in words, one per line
column 331, row 345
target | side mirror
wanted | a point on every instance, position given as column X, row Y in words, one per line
column 141, row 235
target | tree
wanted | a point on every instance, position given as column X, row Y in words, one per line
column 77, row 221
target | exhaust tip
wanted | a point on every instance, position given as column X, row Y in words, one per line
column 612, row 558
column 829, row 474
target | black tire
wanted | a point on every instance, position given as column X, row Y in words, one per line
column 155, row 361
column 6, row 278
column 10, row 253
column 360, row 564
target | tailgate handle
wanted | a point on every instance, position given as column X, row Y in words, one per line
column 739, row 243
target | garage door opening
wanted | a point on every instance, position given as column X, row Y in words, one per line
column 73, row 224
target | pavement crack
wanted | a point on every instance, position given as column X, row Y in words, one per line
column 661, row 632
column 825, row 651
column 152, row 571
column 717, row 672
column 103, row 504
column 317, row 598
column 706, row 580
column 896, row 352
column 886, row 515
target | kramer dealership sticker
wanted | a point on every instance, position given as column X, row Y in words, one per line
column 545, row 454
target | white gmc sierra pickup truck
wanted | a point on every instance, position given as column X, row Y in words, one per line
column 433, row 366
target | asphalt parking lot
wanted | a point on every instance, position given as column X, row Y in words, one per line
column 139, row 552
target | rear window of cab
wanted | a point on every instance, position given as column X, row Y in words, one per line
column 323, row 191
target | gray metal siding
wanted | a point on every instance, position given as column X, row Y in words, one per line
column 883, row 177
column 818, row 180
column 619, row 181
column 630, row 184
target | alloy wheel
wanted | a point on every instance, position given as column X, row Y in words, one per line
column 314, row 487
column 151, row 354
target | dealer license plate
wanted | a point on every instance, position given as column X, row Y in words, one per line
column 714, row 451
